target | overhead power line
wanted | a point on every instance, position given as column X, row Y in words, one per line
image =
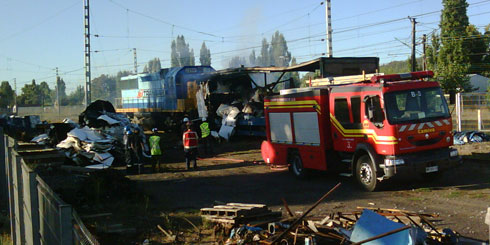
column 38, row 23
column 162, row 21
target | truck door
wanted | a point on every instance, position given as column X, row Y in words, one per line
column 376, row 133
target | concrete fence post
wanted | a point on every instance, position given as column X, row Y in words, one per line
column 66, row 224
column 3, row 172
column 33, row 204
column 458, row 110
column 19, row 200
column 9, row 160
column 487, row 221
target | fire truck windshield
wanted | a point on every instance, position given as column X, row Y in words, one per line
column 417, row 105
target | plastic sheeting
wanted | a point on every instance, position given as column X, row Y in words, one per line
column 461, row 138
column 371, row 224
column 108, row 119
column 201, row 105
column 226, row 131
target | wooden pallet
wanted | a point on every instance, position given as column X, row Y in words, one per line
column 238, row 213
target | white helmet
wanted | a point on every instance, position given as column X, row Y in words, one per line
column 186, row 119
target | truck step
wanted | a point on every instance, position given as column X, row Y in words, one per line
column 346, row 160
column 346, row 174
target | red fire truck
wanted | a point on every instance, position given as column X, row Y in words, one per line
column 374, row 129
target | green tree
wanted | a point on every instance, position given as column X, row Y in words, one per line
column 59, row 91
column 237, row 61
column 478, row 44
column 205, row 55
column 153, row 65
column 486, row 60
column 264, row 58
column 76, row 97
column 45, row 93
column 279, row 54
column 453, row 62
column 104, row 88
column 181, row 55
column 252, row 59
column 30, row 96
column 6, row 95
column 433, row 52
column 295, row 75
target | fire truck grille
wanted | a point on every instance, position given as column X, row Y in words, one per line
column 425, row 142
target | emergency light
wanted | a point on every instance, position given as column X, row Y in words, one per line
column 401, row 77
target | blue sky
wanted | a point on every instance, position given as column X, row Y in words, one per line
column 37, row 36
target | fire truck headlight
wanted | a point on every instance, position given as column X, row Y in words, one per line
column 453, row 153
column 392, row 162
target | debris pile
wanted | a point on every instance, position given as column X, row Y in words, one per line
column 241, row 224
column 461, row 138
column 96, row 141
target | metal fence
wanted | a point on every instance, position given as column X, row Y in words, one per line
column 37, row 213
column 472, row 112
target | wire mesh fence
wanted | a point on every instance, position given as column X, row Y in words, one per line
column 474, row 112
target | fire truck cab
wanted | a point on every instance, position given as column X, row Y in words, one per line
column 374, row 129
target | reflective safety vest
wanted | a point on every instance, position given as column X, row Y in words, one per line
column 205, row 129
column 189, row 139
column 155, row 145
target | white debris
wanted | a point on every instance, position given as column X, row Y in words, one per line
column 108, row 119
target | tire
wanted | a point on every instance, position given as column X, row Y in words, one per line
column 296, row 166
column 366, row 173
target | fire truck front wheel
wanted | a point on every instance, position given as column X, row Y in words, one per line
column 366, row 173
column 296, row 165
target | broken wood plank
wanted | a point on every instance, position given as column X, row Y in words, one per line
column 286, row 206
column 171, row 237
column 91, row 216
column 294, row 224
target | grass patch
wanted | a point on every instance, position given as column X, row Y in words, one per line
column 415, row 198
column 454, row 194
column 4, row 229
column 424, row 189
column 477, row 195
column 5, row 239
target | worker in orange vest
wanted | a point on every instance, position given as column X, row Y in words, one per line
column 189, row 140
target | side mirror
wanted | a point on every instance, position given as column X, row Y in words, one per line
column 370, row 112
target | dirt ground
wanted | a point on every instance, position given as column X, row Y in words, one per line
column 461, row 196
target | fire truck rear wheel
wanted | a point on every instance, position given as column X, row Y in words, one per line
column 296, row 166
column 366, row 173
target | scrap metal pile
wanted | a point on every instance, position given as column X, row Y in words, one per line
column 248, row 224
column 461, row 138
column 96, row 141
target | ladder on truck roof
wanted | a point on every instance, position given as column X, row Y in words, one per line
column 372, row 77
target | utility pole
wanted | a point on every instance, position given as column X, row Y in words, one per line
column 87, row 53
column 58, row 93
column 15, row 96
column 135, row 61
column 328, row 19
column 414, row 62
column 424, row 40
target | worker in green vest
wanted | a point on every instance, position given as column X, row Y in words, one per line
column 205, row 137
column 156, row 153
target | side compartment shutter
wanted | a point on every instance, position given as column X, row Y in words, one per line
column 280, row 127
column 306, row 128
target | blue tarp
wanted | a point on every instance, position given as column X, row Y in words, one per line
column 371, row 224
